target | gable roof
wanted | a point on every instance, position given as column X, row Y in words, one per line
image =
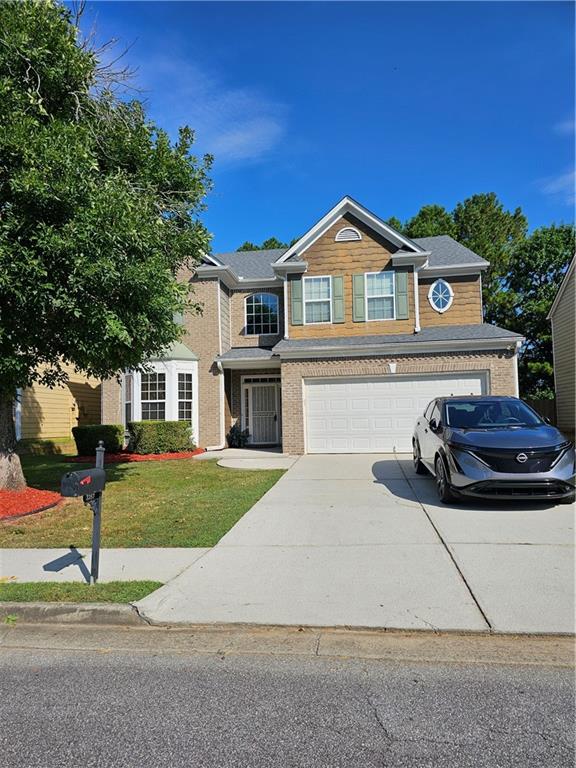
column 345, row 206
column 447, row 252
column 251, row 264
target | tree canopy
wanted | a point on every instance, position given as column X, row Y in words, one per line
column 99, row 212
column 269, row 244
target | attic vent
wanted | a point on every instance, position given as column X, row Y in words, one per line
column 347, row 234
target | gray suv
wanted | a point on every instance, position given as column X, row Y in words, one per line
column 493, row 448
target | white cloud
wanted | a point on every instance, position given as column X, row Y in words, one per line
column 236, row 124
column 565, row 127
column 562, row 186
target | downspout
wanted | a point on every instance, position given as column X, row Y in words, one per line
column 221, row 381
column 285, row 287
column 416, row 301
column 516, row 381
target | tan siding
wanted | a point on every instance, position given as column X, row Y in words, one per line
column 500, row 367
column 466, row 306
column 563, row 334
column 371, row 254
column 51, row 413
column 238, row 320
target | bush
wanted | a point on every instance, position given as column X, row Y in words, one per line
column 237, row 438
column 87, row 438
column 160, row 436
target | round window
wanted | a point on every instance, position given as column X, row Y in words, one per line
column 440, row 295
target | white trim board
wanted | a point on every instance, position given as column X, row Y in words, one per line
column 345, row 206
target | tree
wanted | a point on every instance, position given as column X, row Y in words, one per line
column 269, row 244
column 98, row 213
column 430, row 220
column 537, row 268
column 395, row 223
column 482, row 224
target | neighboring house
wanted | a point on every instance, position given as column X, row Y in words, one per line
column 563, row 317
column 335, row 344
column 42, row 413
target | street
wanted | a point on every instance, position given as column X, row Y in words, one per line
column 108, row 697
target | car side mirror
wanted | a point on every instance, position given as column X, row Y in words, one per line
column 435, row 426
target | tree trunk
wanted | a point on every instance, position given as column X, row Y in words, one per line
column 11, row 475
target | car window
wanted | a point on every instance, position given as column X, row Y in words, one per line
column 490, row 414
column 428, row 410
column 435, row 413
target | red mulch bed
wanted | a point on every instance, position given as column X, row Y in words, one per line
column 26, row 502
column 125, row 456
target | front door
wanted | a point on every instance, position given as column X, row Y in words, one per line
column 263, row 414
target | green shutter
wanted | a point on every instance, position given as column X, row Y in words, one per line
column 338, row 299
column 296, row 301
column 358, row 304
column 401, row 295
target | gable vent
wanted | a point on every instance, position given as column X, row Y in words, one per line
column 347, row 234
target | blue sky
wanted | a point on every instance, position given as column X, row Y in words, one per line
column 395, row 104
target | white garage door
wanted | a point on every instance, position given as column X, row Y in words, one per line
column 375, row 414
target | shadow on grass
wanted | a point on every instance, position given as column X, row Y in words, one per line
column 45, row 472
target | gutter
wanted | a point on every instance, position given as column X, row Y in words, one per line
column 414, row 347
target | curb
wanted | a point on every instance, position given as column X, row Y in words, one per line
column 108, row 614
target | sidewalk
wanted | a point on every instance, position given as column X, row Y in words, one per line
column 71, row 564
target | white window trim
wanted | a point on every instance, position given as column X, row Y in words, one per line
column 340, row 238
column 262, row 293
column 430, row 301
column 171, row 368
column 316, row 301
column 380, row 296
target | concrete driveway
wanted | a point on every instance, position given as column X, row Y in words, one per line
column 360, row 540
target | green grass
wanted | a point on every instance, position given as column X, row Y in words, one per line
column 181, row 503
column 76, row 592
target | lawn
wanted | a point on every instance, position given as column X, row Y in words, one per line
column 74, row 592
column 181, row 503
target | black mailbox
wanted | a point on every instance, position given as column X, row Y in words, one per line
column 83, row 483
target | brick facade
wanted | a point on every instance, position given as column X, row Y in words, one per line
column 238, row 335
column 499, row 365
column 111, row 402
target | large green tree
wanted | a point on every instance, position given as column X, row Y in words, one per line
column 430, row 220
column 98, row 213
column 483, row 224
column 536, row 270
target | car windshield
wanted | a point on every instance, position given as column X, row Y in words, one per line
column 490, row 414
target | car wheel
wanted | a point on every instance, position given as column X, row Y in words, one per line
column 442, row 486
column 419, row 468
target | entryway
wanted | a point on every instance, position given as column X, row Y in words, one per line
column 261, row 409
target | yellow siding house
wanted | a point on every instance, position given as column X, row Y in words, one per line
column 49, row 414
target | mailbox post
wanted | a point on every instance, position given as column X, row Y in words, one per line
column 90, row 483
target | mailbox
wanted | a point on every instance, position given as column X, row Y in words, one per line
column 83, row 483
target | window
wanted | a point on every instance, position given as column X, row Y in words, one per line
column 440, row 295
column 380, row 296
column 185, row 397
column 261, row 314
column 153, row 396
column 128, row 397
column 347, row 235
column 317, row 299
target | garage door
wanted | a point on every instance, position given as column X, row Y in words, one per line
column 375, row 415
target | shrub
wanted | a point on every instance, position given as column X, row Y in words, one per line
column 237, row 438
column 160, row 436
column 87, row 438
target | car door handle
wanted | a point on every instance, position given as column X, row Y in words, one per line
column 425, row 430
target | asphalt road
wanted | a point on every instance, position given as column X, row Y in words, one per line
column 105, row 707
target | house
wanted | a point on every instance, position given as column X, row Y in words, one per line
column 333, row 345
column 48, row 414
column 563, row 317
